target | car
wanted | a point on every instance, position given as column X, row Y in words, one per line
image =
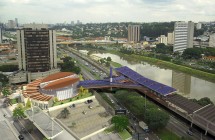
column 73, row 105
column 90, row 107
column 190, row 133
column 112, row 101
column 21, row 137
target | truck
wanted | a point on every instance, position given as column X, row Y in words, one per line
column 144, row 126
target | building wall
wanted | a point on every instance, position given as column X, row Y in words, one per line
column 162, row 39
column 0, row 35
column 37, row 53
column 212, row 40
column 183, row 36
column 170, row 38
column 133, row 33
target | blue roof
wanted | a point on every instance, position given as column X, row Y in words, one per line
column 151, row 84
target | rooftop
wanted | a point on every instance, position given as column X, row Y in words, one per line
column 56, row 76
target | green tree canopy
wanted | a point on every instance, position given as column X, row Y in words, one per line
column 4, row 80
column 69, row 65
column 6, row 91
column 18, row 112
column 156, row 118
column 192, row 53
column 65, row 113
column 120, row 122
column 109, row 58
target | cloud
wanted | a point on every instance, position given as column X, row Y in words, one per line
column 52, row 11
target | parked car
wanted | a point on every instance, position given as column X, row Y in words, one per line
column 21, row 137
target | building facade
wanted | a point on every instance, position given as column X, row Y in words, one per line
column 1, row 35
column 212, row 40
column 170, row 38
column 183, row 36
column 133, row 33
column 41, row 92
column 162, row 39
column 37, row 55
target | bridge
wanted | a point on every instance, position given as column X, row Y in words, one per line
column 201, row 116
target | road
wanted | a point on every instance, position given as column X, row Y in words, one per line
column 18, row 125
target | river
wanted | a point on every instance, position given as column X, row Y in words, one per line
column 187, row 85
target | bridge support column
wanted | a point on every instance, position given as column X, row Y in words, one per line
column 206, row 131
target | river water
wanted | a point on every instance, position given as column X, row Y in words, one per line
column 187, row 85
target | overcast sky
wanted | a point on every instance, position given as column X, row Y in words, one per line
column 96, row 11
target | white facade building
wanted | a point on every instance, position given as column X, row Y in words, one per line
column 0, row 35
column 199, row 26
column 183, row 36
column 170, row 38
column 162, row 39
column 212, row 40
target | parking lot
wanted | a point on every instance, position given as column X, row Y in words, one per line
column 84, row 118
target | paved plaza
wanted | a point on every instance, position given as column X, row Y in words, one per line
column 84, row 120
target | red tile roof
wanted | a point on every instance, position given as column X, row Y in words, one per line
column 61, row 83
column 57, row 76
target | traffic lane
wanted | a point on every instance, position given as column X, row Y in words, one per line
column 19, row 127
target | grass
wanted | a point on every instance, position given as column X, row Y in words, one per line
column 115, row 64
column 109, row 130
column 124, row 135
column 13, row 101
column 165, row 134
column 73, row 99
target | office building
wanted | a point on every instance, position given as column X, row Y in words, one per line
column 183, row 36
column 133, row 33
column 212, row 40
column 16, row 22
column 11, row 24
column 170, row 38
column 37, row 56
column 0, row 34
column 181, row 82
column 199, row 26
column 162, row 39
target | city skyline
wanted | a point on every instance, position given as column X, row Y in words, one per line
column 106, row 11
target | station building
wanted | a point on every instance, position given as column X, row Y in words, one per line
column 41, row 92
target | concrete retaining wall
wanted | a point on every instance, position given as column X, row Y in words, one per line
column 70, row 103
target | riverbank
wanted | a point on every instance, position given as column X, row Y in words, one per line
column 194, row 72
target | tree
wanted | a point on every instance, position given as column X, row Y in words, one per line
column 120, row 122
column 154, row 120
column 192, row 53
column 65, row 113
column 6, row 92
column 68, row 65
column 28, row 104
column 204, row 101
column 109, row 58
column 4, row 80
column 18, row 112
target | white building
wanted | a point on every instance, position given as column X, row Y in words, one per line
column 170, row 38
column 183, row 36
column 198, row 26
column 162, row 39
column 11, row 24
column 0, row 35
column 37, row 55
column 212, row 40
